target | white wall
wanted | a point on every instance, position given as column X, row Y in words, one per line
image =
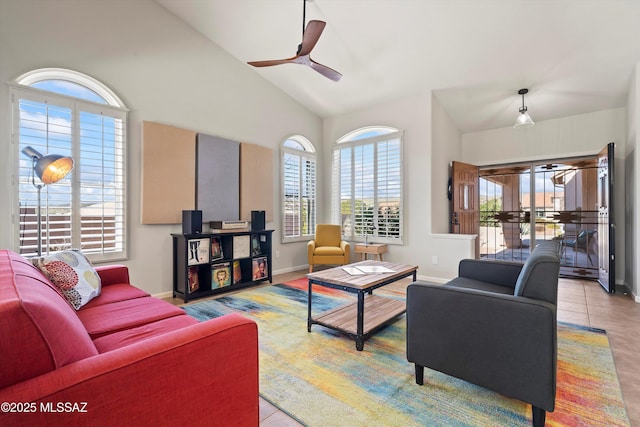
column 413, row 115
column 447, row 142
column 584, row 134
column 164, row 72
column 632, row 179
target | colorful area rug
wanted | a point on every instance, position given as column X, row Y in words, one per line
column 321, row 380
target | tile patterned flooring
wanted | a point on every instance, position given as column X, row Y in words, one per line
column 579, row 301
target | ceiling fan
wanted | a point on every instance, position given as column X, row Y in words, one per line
column 310, row 37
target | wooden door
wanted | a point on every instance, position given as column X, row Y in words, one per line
column 465, row 206
column 606, row 220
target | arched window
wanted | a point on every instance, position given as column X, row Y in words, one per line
column 298, row 189
column 367, row 184
column 64, row 112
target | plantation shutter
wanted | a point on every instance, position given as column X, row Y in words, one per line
column 86, row 210
column 47, row 128
column 364, row 189
column 101, row 183
column 308, row 196
column 291, row 201
column 389, row 189
column 299, row 194
column 367, row 179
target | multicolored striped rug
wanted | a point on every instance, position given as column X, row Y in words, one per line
column 321, row 380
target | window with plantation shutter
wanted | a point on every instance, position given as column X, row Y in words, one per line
column 367, row 185
column 298, row 189
column 86, row 210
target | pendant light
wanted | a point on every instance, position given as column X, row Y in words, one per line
column 523, row 120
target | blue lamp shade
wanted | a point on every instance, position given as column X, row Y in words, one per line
column 50, row 168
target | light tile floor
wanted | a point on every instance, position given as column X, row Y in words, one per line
column 581, row 302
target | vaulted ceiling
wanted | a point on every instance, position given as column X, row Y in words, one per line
column 575, row 56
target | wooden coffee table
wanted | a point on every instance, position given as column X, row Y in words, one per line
column 350, row 318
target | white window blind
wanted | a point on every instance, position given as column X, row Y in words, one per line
column 298, row 192
column 86, row 210
column 367, row 187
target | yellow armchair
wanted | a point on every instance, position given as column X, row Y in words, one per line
column 328, row 247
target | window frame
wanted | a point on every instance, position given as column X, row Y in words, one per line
column 20, row 89
column 353, row 140
column 307, row 153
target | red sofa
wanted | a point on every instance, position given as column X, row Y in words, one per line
column 124, row 358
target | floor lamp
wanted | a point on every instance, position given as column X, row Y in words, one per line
column 50, row 169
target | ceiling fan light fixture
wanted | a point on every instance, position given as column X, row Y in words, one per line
column 523, row 120
column 310, row 37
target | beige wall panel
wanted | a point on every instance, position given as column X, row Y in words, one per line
column 256, row 181
column 168, row 173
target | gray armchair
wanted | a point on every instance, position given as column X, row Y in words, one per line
column 494, row 326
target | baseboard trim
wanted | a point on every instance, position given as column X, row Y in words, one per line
column 163, row 295
column 290, row 269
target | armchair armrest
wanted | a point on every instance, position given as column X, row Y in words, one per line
column 505, row 343
column 346, row 249
column 504, row 273
column 113, row 274
column 205, row 374
column 311, row 247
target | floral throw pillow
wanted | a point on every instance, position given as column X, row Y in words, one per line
column 73, row 274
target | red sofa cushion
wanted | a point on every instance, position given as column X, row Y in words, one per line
column 108, row 318
column 40, row 331
column 115, row 293
column 129, row 336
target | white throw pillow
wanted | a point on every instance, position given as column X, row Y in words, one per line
column 73, row 274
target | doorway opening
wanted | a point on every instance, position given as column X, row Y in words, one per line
column 525, row 203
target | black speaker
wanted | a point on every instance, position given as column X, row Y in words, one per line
column 191, row 222
column 257, row 220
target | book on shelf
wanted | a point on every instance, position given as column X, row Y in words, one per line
column 242, row 246
column 260, row 268
column 220, row 275
column 198, row 251
column 237, row 272
column 194, row 281
column 216, row 248
column 255, row 246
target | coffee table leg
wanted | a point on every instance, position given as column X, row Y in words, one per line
column 360, row 320
column 309, row 307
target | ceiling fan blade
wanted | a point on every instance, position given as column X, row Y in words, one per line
column 325, row 71
column 271, row 62
column 311, row 36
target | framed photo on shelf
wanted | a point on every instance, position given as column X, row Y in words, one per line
column 241, row 246
column 237, row 273
column 255, row 246
column 198, row 251
column 194, row 281
column 216, row 249
column 220, row 275
column 260, row 268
